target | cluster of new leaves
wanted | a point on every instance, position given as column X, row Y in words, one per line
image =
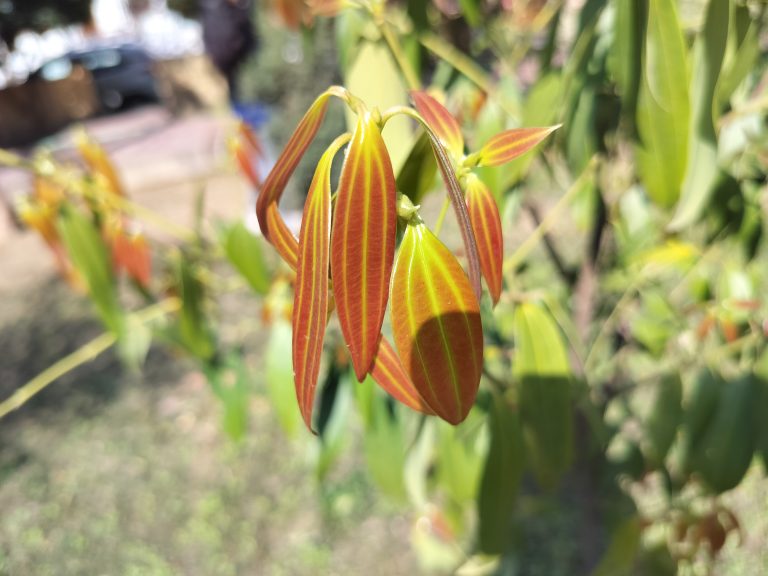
column 345, row 258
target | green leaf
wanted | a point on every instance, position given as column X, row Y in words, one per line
column 627, row 50
column 417, row 176
column 229, row 381
column 243, row 250
column 702, row 171
column 279, row 377
column 501, row 478
column 541, row 367
column 134, row 343
column 384, row 442
column 665, row 416
column 85, row 247
column 460, row 453
column 663, row 108
column 333, row 414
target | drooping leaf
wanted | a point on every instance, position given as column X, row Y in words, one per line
column 310, row 303
column 461, row 455
column 88, row 253
column 512, row 143
column 390, row 375
column 486, row 223
column 363, row 243
column 272, row 225
column 243, row 250
column 440, row 120
column 663, row 108
column 543, row 371
column 130, row 252
column 702, row 172
column 460, row 209
column 436, row 324
column 503, row 472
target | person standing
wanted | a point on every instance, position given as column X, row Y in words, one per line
column 228, row 37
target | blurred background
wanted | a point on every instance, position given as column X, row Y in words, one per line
column 112, row 470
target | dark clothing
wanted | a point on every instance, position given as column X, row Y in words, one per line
column 228, row 35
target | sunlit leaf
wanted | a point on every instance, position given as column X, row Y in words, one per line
column 663, row 108
column 243, row 250
column 278, row 373
column 310, row 303
column 363, row 243
column 390, row 375
column 542, row 368
column 436, row 324
column 271, row 223
column 98, row 161
column 702, row 170
column 460, row 209
column 440, row 120
column 512, row 143
column 486, row 222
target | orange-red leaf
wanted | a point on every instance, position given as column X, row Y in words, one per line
column 436, row 324
column 388, row 372
column 310, row 302
column 510, row 144
column 363, row 242
column 272, row 225
column 486, row 222
column 460, row 209
column 130, row 252
column 440, row 120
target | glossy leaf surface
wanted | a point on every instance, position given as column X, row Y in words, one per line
column 512, row 143
column 363, row 243
column 389, row 374
column 436, row 324
column 486, row 222
column 440, row 120
column 272, row 224
column 310, row 303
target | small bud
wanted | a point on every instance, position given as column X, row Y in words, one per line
column 405, row 208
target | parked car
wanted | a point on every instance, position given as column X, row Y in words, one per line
column 122, row 74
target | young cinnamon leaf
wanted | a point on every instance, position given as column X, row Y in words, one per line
column 272, row 225
column 310, row 303
column 389, row 374
column 486, row 222
column 440, row 120
column 363, row 242
column 436, row 324
column 460, row 208
column 510, row 144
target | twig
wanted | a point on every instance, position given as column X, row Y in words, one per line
column 84, row 354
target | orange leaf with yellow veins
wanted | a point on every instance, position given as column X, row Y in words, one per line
column 363, row 242
column 486, row 223
column 436, row 324
column 510, row 144
column 310, row 301
column 269, row 196
column 389, row 373
column 440, row 120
